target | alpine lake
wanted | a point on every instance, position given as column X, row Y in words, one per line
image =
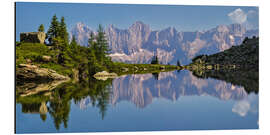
column 165, row 101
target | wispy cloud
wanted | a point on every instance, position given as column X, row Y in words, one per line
column 238, row 16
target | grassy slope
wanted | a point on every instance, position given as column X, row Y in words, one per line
column 35, row 51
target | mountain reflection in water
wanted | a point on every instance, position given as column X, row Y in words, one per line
column 140, row 90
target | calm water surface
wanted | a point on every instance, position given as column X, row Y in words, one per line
column 175, row 100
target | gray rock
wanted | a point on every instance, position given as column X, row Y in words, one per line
column 33, row 37
column 27, row 72
column 104, row 75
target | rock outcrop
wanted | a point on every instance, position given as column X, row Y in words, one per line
column 27, row 72
column 104, row 75
column 33, row 37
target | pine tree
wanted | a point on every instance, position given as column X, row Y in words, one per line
column 92, row 41
column 59, row 44
column 73, row 51
column 92, row 48
column 63, row 30
column 178, row 63
column 92, row 54
column 41, row 28
column 53, row 31
column 58, row 37
column 73, row 44
column 102, row 46
column 155, row 60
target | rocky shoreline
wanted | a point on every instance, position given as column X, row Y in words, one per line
column 28, row 72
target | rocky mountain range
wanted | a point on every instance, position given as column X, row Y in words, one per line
column 138, row 43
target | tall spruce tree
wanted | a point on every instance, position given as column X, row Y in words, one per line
column 63, row 30
column 102, row 45
column 74, row 49
column 92, row 54
column 53, row 31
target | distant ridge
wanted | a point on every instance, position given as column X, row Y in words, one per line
column 138, row 43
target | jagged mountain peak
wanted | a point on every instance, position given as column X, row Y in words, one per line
column 81, row 32
column 138, row 23
column 82, row 26
column 170, row 30
column 137, row 43
column 139, row 26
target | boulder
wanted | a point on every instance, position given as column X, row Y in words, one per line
column 104, row 75
column 33, row 37
column 27, row 72
column 28, row 61
column 46, row 58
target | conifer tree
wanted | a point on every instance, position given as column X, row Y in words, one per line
column 41, row 28
column 53, row 31
column 92, row 54
column 73, row 50
column 178, row 63
column 102, row 45
column 155, row 60
column 73, row 44
column 63, row 30
column 92, row 42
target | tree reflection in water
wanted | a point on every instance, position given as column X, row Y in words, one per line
column 57, row 102
column 248, row 78
column 155, row 75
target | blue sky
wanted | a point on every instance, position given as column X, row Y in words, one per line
column 30, row 15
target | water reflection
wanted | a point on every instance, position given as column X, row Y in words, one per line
column 249, row 104
column 59, row 99
column 141, row 90
column 248, row 78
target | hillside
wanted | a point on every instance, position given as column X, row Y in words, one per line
column 245, row 55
